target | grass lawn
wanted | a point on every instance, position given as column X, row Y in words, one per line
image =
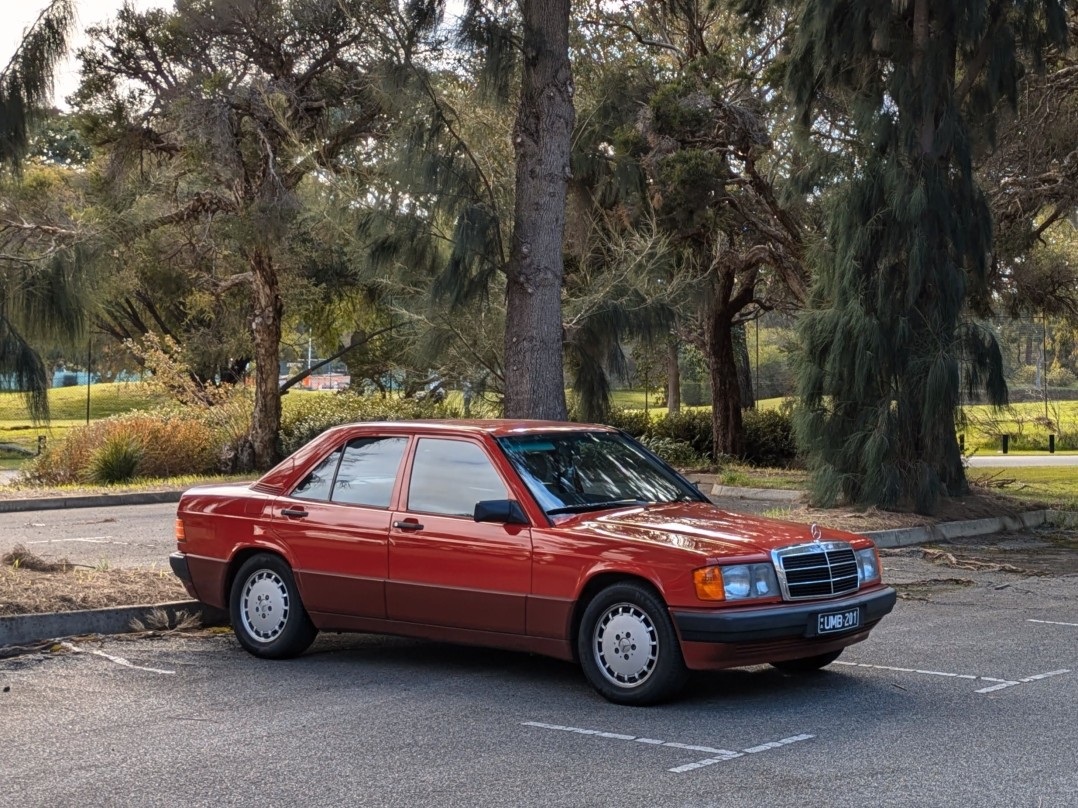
column 1052, row 485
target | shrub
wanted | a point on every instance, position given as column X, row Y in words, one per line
column 116, row 461
column 769, row 438
column 689, row 426
column 677, row 453
column 171, row 444
column 318, row 413
column 635, row 422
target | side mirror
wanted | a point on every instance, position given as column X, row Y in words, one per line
column 505, row 511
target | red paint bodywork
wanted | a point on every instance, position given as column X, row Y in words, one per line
column 504, row 585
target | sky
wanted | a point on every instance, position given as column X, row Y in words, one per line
column 18, row 15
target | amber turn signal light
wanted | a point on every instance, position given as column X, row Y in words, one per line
column 708, row 581
column 180, row 534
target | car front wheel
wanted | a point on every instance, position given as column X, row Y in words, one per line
column 267, row 614
column 628, row 648
column 807, row 664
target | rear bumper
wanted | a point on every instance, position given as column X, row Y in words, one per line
column 180, row 568
column 735, row 637
column 178, row 562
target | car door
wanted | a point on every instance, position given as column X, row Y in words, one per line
column 445, row 568
column 336, row 526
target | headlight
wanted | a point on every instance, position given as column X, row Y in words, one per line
column 736, row 582
column 868, row 565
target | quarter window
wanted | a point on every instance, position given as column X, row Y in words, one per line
column 450, row 476
column 319, row 482
column 368, row 471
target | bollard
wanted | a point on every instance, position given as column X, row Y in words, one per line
column 40, row 444
column 1005, row 440
column 1051, row 444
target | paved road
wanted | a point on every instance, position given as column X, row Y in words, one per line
column 958, row 699
column 1016, row 461
column 121, row 536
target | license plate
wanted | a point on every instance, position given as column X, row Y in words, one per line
column 832, row 622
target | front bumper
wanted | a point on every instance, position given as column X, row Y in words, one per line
column 781, row 621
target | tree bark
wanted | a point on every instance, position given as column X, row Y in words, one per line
column 673, row 377
column 266, row 332
column 534, row 377
column 726, row 425
column 744, row 369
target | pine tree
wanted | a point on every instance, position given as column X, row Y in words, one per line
column 26, row 81
column 887, row 343
column 25, row 88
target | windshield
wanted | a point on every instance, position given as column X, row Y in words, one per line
column 576, row 472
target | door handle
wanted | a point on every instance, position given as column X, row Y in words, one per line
column 408, row 526
column 299, row 513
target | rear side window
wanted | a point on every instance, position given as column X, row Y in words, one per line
column 360, row 473
column 450, row 476
column 368, row 471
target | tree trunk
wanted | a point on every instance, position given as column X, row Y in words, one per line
column 266, row 331
column 726, row 426
column 534, row 377
column 673, row 377
column 744, row 369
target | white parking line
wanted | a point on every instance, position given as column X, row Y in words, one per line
column 118, row 660
column 999, row 684
column 87, row 539
column 1027, row 680
column 917, row 670
column 718, row 755
column 1053, row 623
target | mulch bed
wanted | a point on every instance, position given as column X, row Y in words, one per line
column 31, row 585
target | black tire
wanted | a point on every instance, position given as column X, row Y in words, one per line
column 808, row 664
column 628, row 648
column 267, row 613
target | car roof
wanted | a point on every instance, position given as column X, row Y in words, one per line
column 497, row 427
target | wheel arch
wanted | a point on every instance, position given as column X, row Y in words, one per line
column 240, row 558
column 592, row 587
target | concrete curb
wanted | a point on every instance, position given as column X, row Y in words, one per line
column 89, row 501
column 908, row 536
column 21, row 629
column 766, row 494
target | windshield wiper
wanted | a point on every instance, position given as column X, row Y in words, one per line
column 597, row 506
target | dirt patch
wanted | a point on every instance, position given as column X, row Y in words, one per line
column 30, row 585
column 981, row 505
column 1044, row 551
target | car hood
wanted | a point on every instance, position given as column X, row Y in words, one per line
column 701, row 528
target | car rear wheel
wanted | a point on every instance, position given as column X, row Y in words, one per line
column 267, row 614
column 628, row 647
column 808, row 664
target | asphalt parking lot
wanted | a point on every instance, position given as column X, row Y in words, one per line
column 966, row 695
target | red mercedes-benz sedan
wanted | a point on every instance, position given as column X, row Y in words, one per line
column 561, row 539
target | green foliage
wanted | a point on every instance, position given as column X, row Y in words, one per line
column 26, row 81
column 117, row 460
column 693, row 427
column 769, row 438
column 315, row 415
column 886, row 343
column 677, row 453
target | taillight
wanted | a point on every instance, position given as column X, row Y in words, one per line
column 180, row 534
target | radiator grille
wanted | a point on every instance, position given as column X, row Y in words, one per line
column 817, row 570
